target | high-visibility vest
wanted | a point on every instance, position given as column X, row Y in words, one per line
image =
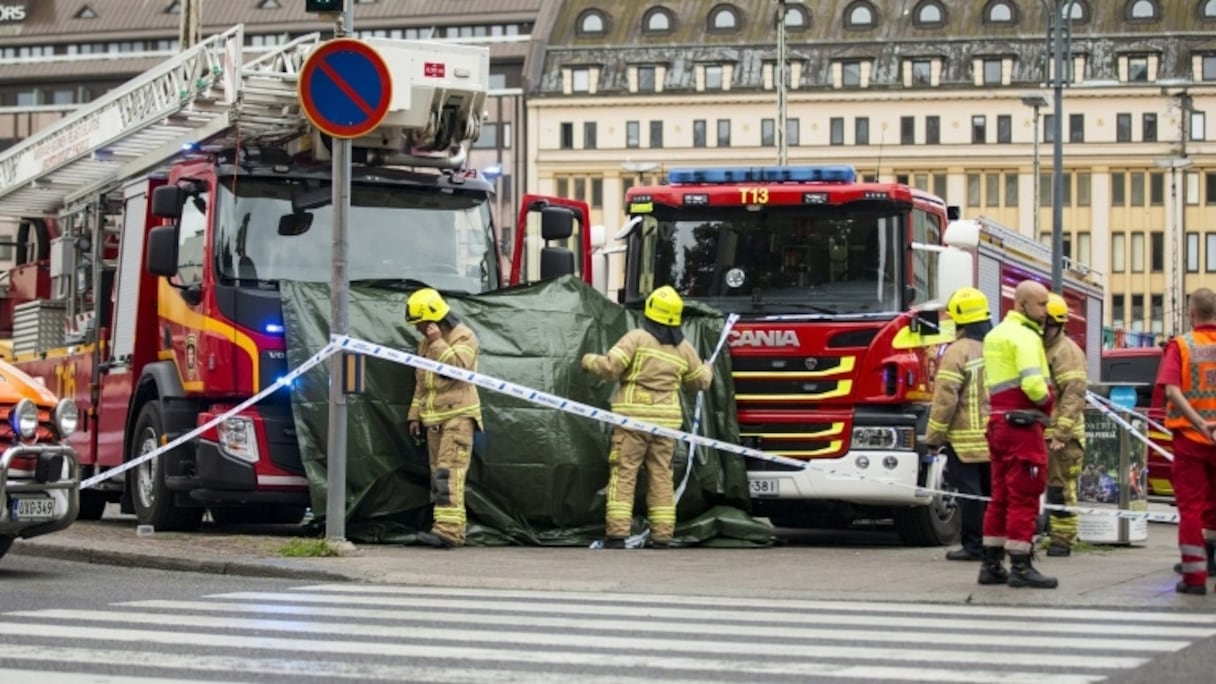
column 1197, row 352
column 1015, row 366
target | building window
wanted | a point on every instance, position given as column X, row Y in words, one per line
column 656, row 133
column 1210, row 189
column 567, row 135
column 724, row 18
column 6, row 247
column 1150, row 127
column 1190, row 183
column 929, row 14
column 1118, row 189
column 1049, row 128
column 1117, row 313
column 1142, row 10
column 1004, row 128
column 922, row 72
column 580, row 80
column 1011, row 189
column 1123, row 127
column 657, row 20
column 1209, row 9
column 768, row 132
column 1137, row 322
column 1118, row 257
column 1157, row 255
column 589, row 135
column 933, row 130
column 1137, row 68
column 1077, row 12
column 850, row 74
column 796, row 18
column 633, row 134
column 973, row 189
column 713, row 77
column 1209, row 262
column 1000, row 12
column 646, row 79
column 597, row 193
column 793, row 133
column 907, row 130
column 698, row 133
column 592, row 23
column 723, row 132
column 1076, row 128
column 992, row 71
column 1083, row 246
column 1192, row 252
column 1084, row 188
column 1199, row 126
column 979, row 128
column 860, row 15
column 1137, row 193
column 1156, row 188
column 992, row 189
column 1209, row 67
column 861, row 131
column 836, row 130
column 1137, row 252
column 1156, row 313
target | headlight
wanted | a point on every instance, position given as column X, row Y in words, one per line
column 67, row 418
column 883, row 438
column 24, row 419
column 238, row 438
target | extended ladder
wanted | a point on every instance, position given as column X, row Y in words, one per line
column 1012, row 238
column 205, row 97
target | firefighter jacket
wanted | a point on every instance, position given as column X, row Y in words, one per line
column 1068, row 375
column 960, row 402
column 1197, row 353
column 1015, row 366
column 438, row 398
column 651, row 375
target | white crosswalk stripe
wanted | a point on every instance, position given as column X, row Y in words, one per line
column 393, row 633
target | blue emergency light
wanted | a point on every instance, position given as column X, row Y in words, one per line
column 754, row 174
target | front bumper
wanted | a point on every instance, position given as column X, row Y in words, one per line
column 843, row 479
column 61, row 489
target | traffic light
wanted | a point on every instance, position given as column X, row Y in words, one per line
column 324, row 6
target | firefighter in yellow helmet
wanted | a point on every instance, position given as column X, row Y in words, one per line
column 652, row 363
column 448, row 410
column 959, row 415
column 1066, row 432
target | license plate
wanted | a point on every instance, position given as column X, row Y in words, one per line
column 762, row 488
column 33, row 508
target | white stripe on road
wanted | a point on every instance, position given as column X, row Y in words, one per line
column 635, row 665
column 551, row 639
column 9, row 675
column 760, row 604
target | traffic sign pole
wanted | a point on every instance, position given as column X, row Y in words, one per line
column 335, row 506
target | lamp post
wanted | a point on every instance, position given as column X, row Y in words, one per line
column 782, row 66
column 1177, row 282
column 1059, row 14
column 1035, row 101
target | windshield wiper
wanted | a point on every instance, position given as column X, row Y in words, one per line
column 801, row 306
column 394, row 283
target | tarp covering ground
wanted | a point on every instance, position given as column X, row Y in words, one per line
column 537, row 475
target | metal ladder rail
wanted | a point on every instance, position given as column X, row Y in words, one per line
column 1012, row 237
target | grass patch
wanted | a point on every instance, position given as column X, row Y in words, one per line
column 307, row 548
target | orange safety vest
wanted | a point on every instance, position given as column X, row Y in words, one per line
column 1197, row 351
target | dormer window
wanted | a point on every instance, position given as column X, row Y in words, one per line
column 658, row 20
column 1208, row 10
column 724, row 18
column 1143, row 10
column 797, row 18
column 1000, row 12
column 86, row 12
column 174, row 7
column 592, row 23
column 269, row 4
column 1078, row 12
column 929, row 14
column 860, row 15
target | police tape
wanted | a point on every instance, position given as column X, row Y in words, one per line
column 354, row 345
column 285, row 381
column 1129, row 411
column 1108, row 410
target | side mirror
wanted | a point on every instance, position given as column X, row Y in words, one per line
column 295, row 223
column 167, row 201
column 926, row 322
column 953, row 213
column 162, row 251
column 555, row 262
column 955, row 269
column 556, row 223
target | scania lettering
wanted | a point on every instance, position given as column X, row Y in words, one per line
column 839, row 284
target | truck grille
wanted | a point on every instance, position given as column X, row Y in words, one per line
column 803, row 441
column 774, row 382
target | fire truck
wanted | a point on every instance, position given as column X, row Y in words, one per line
column 158, row 222
column 839, row 285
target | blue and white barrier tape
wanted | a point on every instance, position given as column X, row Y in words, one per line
column 1108, row 409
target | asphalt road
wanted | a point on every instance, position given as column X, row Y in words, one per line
column 62, row 621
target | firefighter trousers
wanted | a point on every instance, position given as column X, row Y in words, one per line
column 1019, row 476
column 975, row 479
column 449, row 447
column 1063, row 469
column 630, row 451
column 1193, row 475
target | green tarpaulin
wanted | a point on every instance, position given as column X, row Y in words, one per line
column 537, row 475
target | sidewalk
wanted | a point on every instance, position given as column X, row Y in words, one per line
column 860, row 566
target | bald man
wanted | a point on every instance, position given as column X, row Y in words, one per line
column 1016, row 372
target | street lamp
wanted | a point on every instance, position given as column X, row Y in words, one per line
column 782, row 17
column 1035, row 101
column 1058, row 13
column 1178, row 283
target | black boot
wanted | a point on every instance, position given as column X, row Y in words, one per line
column 1211, row 549
column 1023, row 574
column 993, row 571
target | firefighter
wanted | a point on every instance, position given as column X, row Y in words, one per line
column 1066, row 432
column 652, row 363
column 1015, row 370
column 959, row 413
column 448, row 410
column 1188, row 374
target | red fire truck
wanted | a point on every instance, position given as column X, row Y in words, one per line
column 839, row 284
column 162, row 218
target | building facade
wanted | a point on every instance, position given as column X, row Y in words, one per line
column 58, row 54
column 926, row 92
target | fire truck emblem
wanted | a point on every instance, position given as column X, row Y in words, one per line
column 812, row 363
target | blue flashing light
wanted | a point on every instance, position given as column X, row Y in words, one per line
column 840, row 173
column 290, row 385
column 274, row 328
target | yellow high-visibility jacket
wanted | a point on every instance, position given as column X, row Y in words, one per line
column 438, row 398
column 651, row 374
column 1015, row 366
column 960, row 402
column 1068, row 374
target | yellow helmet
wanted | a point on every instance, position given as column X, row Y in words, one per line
column 425, row 306
column 664, row 306
column 1057, row 309
column 968, row 305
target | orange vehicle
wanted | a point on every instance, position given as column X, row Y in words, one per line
column 39, row 474
column 1137, row 367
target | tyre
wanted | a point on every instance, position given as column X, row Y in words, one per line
column 937, row 524
column 5, row 544
column 155, row 504
column 92, row 504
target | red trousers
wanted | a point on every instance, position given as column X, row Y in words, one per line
column 1194, row 477
column 1019, row 477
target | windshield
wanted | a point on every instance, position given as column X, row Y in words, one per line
column 825, row 260
column 396, row 233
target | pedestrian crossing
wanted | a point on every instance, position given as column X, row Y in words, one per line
column 397, row 633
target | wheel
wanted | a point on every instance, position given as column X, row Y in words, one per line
column 5, row 544
column 937, row 524
column 92, row 505
column 154, row 502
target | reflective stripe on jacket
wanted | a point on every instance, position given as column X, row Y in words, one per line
column 1197, row 352
column 438, row 398
column 651, row 375
column 960, row 402
column 1067, row 363
column 1015, row 366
